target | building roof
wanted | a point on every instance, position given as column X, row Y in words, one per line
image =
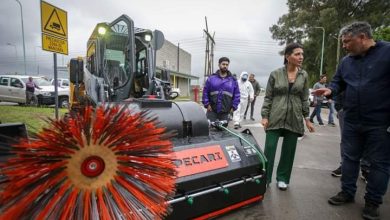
column 183, row 75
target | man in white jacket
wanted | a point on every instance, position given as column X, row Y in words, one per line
column 246, row 94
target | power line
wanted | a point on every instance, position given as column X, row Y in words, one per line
column 246, row 40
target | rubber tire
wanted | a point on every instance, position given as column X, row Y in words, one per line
column 63, row 102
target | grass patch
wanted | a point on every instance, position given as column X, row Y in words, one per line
column 33, row 117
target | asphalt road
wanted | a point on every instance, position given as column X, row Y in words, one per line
column 311, row 184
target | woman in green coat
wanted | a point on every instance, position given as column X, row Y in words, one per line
column 284, row 109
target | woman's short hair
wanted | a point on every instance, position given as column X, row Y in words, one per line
column 289, row 50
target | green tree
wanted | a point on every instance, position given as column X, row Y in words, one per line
column 298, row 25
column 382, row 33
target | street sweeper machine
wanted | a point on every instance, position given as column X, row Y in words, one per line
column 127, row 150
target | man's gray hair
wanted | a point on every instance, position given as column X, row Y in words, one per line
column 356, row 28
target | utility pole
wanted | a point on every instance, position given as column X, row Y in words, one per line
column 35, row 58
column 212, row 55
column 322, row 50
column 209, row 53
column 338, row 51
column 206, row 58
column 206, row 52
column 24, row 47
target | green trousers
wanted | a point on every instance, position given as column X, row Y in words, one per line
column 287, row 155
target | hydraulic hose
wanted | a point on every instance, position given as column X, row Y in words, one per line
column 219, row 125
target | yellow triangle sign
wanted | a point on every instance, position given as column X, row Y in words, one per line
column 54, row 24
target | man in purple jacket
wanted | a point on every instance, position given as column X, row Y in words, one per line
column 221, row 94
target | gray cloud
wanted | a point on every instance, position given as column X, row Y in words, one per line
column 241, row 30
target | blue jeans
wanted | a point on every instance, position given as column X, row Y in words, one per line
column 371, row 143
column 317, row 112
column 331, row 111
column 340, row 115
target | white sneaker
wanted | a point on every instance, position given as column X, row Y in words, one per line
column 282, row 185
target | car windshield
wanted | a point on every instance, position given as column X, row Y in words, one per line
column 39, row 81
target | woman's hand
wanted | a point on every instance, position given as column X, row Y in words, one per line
column 309, row 125
column 264, row 122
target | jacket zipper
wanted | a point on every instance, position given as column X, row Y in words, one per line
column 359, row 86
column 220, row 94
column 288, row 96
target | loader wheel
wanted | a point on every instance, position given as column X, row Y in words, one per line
column 63, row 102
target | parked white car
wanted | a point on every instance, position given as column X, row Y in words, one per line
column 63, row 83
column 13, row 89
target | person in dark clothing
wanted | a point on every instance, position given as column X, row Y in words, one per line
column 256, row 88
column 364, row 77
column 30, row 89
column 221, row 94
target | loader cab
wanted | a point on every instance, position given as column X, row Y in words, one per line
column 124, row 57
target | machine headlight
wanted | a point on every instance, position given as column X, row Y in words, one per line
column 148, row 37
column 102, row 30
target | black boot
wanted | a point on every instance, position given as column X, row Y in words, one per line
column 341, row 198
column 370, row 211
column 337, row 172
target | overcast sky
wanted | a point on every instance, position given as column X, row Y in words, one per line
column 241, row 30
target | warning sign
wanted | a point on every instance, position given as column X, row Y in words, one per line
column 54, row 21
column 54, row 44
column 249, row 150
column 233, row 154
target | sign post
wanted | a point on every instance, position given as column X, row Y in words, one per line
column 54, row 26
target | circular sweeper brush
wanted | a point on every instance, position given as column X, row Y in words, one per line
column 106, row 163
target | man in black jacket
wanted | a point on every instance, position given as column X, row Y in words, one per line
column 364, row 77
